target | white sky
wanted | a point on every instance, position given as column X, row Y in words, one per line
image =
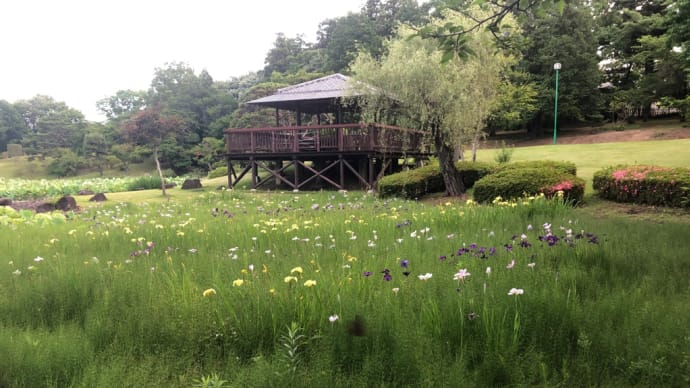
column 80, row 51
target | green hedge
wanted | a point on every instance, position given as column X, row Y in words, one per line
column 566, row 167
column 513, row 182
column 648, row 185
column 420, row 181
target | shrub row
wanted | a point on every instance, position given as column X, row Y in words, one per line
column 648, row 185
column 514, row 182
column 424, row 180
column 417, row 182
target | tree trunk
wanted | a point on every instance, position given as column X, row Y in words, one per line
column 458, row 153
column 160, row 172
column 451, row 176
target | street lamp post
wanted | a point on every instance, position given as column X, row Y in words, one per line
column 556, row 66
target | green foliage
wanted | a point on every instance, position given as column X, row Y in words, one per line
column 51, row 124
column 65, row 163
column 451, row 101
column 42, row 357
column 413, row 183
column 218, row 172
column 12, row 125
column 566, row 36
column 504, row 154
column 648, row 185
column 529, row 180
column 14, row 150
column 417, row 182
column 144, row 183
column 211, row 381
column 209, row 151
column 174, row 156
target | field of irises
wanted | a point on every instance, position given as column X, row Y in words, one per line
column 244, row 289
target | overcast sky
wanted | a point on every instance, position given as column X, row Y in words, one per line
column 80, row 51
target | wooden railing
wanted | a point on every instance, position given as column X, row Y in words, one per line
column 324, row 138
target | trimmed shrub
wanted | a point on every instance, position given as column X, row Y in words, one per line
column 647, row 185
column 420, row 181
column 413, row 183
column 513, row 183
column 218, row 172
column 566, row 167
column 471, row 172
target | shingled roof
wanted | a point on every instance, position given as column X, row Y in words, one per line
column 315, row 96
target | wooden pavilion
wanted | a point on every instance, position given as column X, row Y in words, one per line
column 333, row 153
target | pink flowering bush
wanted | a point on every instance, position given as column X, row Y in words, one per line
column 648, row 185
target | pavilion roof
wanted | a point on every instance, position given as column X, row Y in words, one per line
column 316, row 96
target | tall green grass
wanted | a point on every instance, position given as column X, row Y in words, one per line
column 293, row 289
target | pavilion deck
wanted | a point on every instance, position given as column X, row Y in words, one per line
column 358, row 148
column 350, row 138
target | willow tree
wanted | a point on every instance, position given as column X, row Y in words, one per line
column 450, row 98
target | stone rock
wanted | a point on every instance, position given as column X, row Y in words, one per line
column 100, row 197
column 66, row 203
column 45, row 207
column 170, row 185
column 85, row 192
column 5, row 202
column 189, row 184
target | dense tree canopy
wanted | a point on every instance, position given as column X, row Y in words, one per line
column 50, row 124
column 12, row 126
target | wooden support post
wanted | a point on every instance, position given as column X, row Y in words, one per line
column 279, row 169
column 231, row 172
column 294, row 162
column 255, row 173
column 342, row 170
column 371, row 178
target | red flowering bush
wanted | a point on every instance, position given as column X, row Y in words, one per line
column 648, row 185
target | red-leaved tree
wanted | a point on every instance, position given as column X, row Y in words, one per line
column 151, row 127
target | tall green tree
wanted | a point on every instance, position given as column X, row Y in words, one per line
column 565, row 36
column 451, row 100
column 51, row 124
column 122, row 104
column 291, row 55
column 96, row 147
column 12, row 126
column 640, row 63
column 676, row 18
column 197, row 99
column 343, row 37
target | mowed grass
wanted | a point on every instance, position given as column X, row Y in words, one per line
column 591, row 157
